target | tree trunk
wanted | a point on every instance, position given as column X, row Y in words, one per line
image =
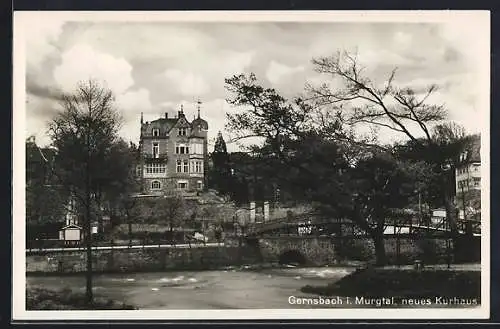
column 100, row 223
column 450, row 214
column 88, row 237
column 448, row 204
column 379, row 242
column 129, row 232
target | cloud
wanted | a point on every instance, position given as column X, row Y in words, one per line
column 82, row 62
column 35, row 88
column 403, row 40
column 276, row 72
column 233, row 62
column 187, row 83
column 41, row 37
column 133, row 101
column 464, row 38
column 153, row 67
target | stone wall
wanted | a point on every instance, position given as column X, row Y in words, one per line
column 316, row 250
column 136, row 260
column 402, row 250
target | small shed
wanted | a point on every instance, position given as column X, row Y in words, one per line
column 438, row 216
column 70, row 234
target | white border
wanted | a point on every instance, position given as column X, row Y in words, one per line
column 479, row 19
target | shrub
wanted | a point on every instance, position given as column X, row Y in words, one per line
column 400, row 283
column 65, row 299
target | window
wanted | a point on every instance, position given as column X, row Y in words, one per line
column 186, row 166
column 138, row 171
column 182, row 184
column 155, row 185
column 181, row 149
column 179, row 166
column 156, row 149
column 156, row 132
column 196, row 148
column 199, row 184
column 198, row 165
column 182, row 131
column 477, row 182
column 156, row 168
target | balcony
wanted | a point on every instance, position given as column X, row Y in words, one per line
column 156, row 157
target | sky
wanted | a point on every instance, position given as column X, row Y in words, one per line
column 155, row 66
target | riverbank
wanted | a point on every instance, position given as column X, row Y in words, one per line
column 426, row 287
column 251, row 267
column 38, row 298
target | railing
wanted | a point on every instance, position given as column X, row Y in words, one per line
column 284, row 224
column 193, row 244
column 159, row 157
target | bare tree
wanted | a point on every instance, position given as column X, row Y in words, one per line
column 83, row 133
column 360, row 101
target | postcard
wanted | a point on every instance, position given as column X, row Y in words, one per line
column 251, row 165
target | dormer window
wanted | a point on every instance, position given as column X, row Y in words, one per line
column 156, row 132
column 182, row 131
column 156, row 150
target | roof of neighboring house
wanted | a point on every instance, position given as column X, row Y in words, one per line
column 475, row 149
column 472, row 151
column 164, row 124
column 71, row 226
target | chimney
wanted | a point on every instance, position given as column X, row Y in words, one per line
column 266, row 211
column 181, row 112
column 252, row 212
column 166, row 115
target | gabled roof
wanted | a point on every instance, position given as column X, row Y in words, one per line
column 71, row 226
column 475, row 149
column 472, row 152
column 165, row 124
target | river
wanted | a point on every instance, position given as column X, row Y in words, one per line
column 240, row 288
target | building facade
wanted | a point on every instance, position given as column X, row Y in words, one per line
column 468, row 180
column 173, row 154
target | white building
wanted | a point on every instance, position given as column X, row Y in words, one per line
column 468, row 180
column 71, row 233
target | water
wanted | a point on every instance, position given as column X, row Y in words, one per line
column 239, row 288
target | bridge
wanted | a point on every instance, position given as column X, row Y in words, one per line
column 312, row 224
column 311, row 238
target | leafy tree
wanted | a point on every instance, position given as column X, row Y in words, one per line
column 84, row 134
column 120, row 193
column 442, row 155
column 317, row 161
column 44, row 199
column 220, row 173
column 360, row 101
column 382, row 186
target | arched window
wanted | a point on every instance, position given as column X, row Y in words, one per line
column 155, row 185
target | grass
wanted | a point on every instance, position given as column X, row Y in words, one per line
column 384, row 283
column 65, row 299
